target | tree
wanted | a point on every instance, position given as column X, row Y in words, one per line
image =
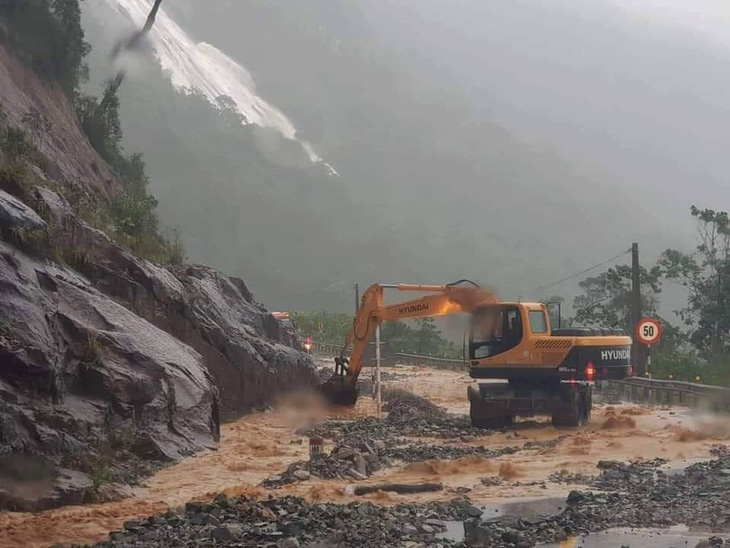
column 47, row 35
column 399, row 336
column 102, row 125
column 72, row 48
column 429, row 337
column 328, row 327
column 706, row 276
column 606, row 298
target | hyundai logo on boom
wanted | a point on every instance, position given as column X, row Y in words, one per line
column 615, row 354
column 412, row 308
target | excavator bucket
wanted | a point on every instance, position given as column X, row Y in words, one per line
column 338, row 391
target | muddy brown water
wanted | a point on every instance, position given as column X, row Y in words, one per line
column 263, row 444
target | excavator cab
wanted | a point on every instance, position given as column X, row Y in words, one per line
column 494, row 330
column 535, row 369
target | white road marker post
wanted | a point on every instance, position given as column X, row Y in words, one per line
column 377, row 369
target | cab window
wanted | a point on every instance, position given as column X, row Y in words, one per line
column 538, row 322
column 494, row 330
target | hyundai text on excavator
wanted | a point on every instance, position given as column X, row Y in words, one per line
column 530, row 368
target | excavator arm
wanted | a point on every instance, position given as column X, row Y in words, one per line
column 441, row 300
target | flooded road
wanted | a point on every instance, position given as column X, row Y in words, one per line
column 264, row 444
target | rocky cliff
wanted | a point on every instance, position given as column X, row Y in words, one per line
column 109, row 364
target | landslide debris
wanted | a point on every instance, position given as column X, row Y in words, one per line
column 634, row 495
column 291, row 522
column 359, row 462
column 366, row 445
column 408, row 416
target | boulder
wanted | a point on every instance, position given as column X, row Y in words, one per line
column 15, row 214
column 57, row 206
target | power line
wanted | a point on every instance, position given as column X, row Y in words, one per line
column 584, row 271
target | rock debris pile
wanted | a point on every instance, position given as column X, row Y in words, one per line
column 408, row 416
column 357, row 462
column 366, row 445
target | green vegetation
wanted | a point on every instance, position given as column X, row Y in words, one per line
column 176, row 250
column 18, row 146
column 698, row 348
column 606, row 298
column 100, row 475
column 327, row 327
column 422, row 336
column 102, row 125
column 92, row 348
column 13, row 178
column 132, row 214
column 47, row 35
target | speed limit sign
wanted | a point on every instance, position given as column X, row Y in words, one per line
column 648, row 331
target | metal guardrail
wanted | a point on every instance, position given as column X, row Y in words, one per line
column 689, row 394
column 327, row 348
column 634, row 389
column 401, row 358
column 442, row 363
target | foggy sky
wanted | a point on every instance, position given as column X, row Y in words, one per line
column 512, row 141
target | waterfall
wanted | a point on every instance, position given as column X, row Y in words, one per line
column 210, row 71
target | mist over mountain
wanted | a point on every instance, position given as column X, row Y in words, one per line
column 509, row 142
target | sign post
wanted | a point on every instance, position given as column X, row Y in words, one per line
column 648, row 332
column 377, row 369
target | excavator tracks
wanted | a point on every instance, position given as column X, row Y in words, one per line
column 495, row 405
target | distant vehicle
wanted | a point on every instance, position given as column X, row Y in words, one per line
column 284, row 319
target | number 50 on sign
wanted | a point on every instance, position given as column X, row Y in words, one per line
column 648, row 331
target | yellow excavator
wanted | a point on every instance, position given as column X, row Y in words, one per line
column 532, row 368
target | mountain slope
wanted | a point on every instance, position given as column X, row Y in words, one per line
column 111, row 364
column 430, row 188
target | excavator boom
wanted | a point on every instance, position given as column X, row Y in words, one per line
column 440, row 300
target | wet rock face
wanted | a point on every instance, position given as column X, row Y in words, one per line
column 250, row 356
column 14, row 213
column 79, row 371
column 128, row 354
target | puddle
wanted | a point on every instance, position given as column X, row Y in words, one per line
column 509, row 513
column 527, row 509
column 454, row 531
column 677, row 468
column 673, row 537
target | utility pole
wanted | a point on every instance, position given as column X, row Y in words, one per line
column 357, row 298
column 637, row 350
